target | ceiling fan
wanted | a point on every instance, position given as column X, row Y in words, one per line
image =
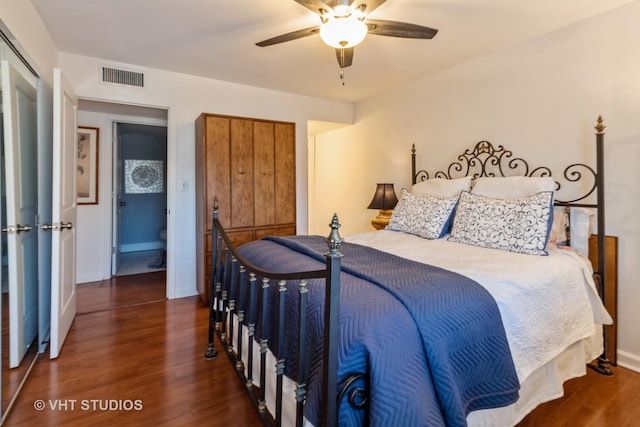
column 345, row 24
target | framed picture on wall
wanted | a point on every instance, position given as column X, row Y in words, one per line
column 143, row 176
column 87, row 166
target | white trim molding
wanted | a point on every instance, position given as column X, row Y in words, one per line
column 629, row 361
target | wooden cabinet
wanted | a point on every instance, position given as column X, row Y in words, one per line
column 249, row 165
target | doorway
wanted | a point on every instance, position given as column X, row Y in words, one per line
column 97, row 240
column 140, row 205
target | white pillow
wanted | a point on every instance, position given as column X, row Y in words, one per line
column 558, row 232
column 424, row 216
column 581, row 222
column 442, row 187
column 517, row 225
column 512, row 187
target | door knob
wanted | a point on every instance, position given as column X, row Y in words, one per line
column 16, row 228
column 20, row 228
column 56, row 226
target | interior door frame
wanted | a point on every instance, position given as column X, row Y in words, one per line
column 115, row 220
column 116, row 197
column 120, row 110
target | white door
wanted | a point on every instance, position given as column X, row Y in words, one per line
column 20, row 144
column 116, row 199
column 63, row 257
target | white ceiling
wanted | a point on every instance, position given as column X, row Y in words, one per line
column 216, row 38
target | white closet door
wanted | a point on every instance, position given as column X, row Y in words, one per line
column 20, row 144
column 63, row 257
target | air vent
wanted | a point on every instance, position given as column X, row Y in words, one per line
column 123, row 77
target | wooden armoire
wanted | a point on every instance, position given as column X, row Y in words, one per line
column 249, row 165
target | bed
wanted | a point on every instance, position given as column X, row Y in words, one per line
column 432, row 321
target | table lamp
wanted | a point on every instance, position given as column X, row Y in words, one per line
column 385, row 200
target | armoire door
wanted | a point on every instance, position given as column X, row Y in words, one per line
column 242, row 173
column 213, row 177
column 264, row 191
column 285, row 173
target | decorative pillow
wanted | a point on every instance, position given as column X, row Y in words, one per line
column 516, row 225
column 442, row 187
column 424, row 216
column 512, row 187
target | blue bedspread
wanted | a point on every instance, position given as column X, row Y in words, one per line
column 430, row 341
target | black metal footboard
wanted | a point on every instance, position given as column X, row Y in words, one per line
column 235, row 285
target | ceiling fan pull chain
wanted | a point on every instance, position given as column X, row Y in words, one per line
column 342, row 75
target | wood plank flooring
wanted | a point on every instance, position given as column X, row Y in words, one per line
column 148, row 352
column 125, row 349
column 12, row 377
column 119, row 292
column 593, row 401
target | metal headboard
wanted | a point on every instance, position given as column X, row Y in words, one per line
column 485, row 160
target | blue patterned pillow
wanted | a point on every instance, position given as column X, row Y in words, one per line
column 424, row 216
column 517, row 225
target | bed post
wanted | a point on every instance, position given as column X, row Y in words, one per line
column 329, row 416
column 211, row 347
column 413, row 164
column 603, row 365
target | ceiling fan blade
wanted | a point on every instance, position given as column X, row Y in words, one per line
column 294, row 35
column 400, row 29
column 316, row 6
column 367, row 6
column 345, row 57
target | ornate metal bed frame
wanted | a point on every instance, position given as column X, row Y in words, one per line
column 229, row 272
column 485, row 160
column 234, row 285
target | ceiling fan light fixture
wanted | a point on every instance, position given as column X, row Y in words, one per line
column 343, row 31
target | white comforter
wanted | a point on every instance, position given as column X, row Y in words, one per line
column 547, row 302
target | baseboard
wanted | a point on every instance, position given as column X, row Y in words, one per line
column 629, row 361
column 184, row 293
column 88, row 278
column 145, row 246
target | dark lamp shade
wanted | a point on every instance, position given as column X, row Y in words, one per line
column 384, row 199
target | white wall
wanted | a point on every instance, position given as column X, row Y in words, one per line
column 186, row 97
column 30, row 35
column 541, row 100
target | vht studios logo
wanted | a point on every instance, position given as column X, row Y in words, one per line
column 88, row 405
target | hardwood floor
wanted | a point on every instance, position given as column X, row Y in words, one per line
column 12, row 377
column 593, row 401
column 134, row 351
column 121, row 291
column 146, row 355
